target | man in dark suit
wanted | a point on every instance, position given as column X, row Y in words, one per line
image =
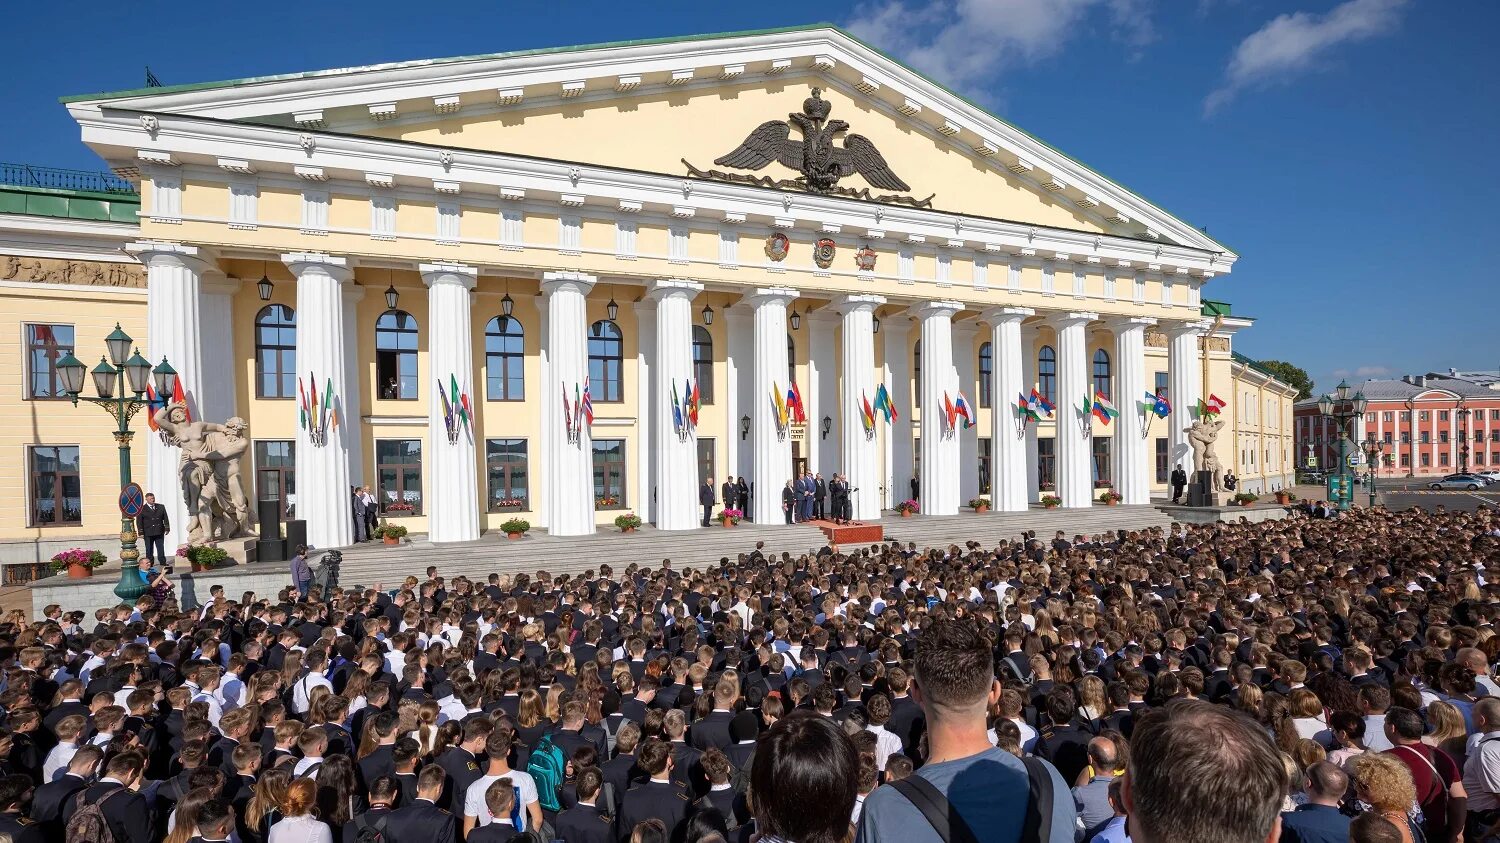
column 584, row 822
column 706, row 499
column 153, row 524
column 1179, row 482
column 1319, row 818
column 713, row 729
column 660, row 796
column 731, row 494
column 422, row 821
column 125, row 811
column 49, row 800
column 383, row 792
column 820, row 492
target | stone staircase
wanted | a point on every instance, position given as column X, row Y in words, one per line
column 494, row 553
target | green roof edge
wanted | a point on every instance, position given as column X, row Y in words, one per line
column 129, row 198
column 1257, row 366
column 200, row 86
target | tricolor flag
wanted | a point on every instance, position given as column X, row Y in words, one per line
column 1103, row 410
column 447, row 410
column 1158, row 404
column 884, row 404
column 460, row 406
column 567, row 415
column 1040, row 403
column 794, row 404
column 312, row 393
column 154, row 403
column 1088, row 404
column 962, row 409
column 950, row 411
column 866, row 412
column 588, row 403
column 676, row 410
column 179, row 396
column 695, row 400
column 577, row 407
column 1214, row 404
column 329, row 409
column 1026, row 408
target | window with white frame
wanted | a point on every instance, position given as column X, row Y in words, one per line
column 729, row 247
column 383, row 217
column 166, row 198
column 569, row 233
column 315, row 211
column 448, row 217
column 510, row 229
column 244, row 200
column 625, row 233
column 677, row 244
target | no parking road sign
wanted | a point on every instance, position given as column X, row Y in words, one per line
column 132, row 500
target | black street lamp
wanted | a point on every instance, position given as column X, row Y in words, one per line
column 122, row 402
column 1463, row 437
column 1342, row 409
column 1374, row 451
column 827, row 426
column 744, row 426
column 507, row 304
column 392, row 297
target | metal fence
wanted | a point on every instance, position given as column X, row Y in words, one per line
column 21, row 573
column 25, row 175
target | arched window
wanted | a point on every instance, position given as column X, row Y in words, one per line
column 1046, row 373
column 396, row 355
column 791, row 360
column 703, row 363
column 606, row 355
column 1101, row 372
column 986, row 372
column 276, row 352
column 505, row 359
column 916, row 373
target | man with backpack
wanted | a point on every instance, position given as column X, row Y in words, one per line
column 585, row 822
column 476, row 809
column 371, row 825
column 968, row 787
column 111, row 811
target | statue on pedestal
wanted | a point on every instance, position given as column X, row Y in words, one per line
column 210, row 474
column 1202, row 434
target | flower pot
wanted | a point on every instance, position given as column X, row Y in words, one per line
column 1283, row 499
column 905, row 513
column 79, row 572
column 1049, row 506
column 390, row 540
column 514, row 536
column 1111, row 502
column 627, row 529
column 199, row 566
column 980, row 510
column 728, row 525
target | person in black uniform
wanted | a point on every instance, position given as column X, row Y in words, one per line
column 706, row 499
column 584, row 822
column 820, row 492
column 789, row 502
column 125, row 811
column 14, row 820
column 422, row 821
column 48, row 801
column 658, row 797
column 383, row 793
column 215, row 821
column 461, row 763
column 1179, row 482
column 742, row 494
column 731, row 494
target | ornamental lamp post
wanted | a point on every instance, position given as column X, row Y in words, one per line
column 122, row 402
column 1374, row 450
column 1342, row 410
column 1463, row 436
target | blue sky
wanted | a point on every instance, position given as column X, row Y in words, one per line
column 1344, row 149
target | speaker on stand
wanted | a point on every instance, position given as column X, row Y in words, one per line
column 271, row 547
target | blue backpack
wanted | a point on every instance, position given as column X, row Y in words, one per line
column 547, row 767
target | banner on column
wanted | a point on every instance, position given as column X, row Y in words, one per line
column 456, row 409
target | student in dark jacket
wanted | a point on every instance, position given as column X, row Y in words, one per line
column 125, row 811
column 585, row 822
column 382, row 805
column 659, row 797
column 422, row 821
column 49, row 800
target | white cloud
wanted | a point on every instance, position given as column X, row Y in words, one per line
column 966, row 43
column 1292, row 43
column 1364, row 372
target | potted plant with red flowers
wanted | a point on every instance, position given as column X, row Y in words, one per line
column 1051, row 501
column 1109, row 497
column 515, row 528
column 729, row 517
column 79, row 562
column 980, row 505
column 628, row 523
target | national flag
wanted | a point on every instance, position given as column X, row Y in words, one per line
column 694, row 403
column 1024, row 406
column 328, row 406
column 312, row 407
column 458, row 406
column 1088, row 404
column 1215, row 404
column 468, row 409
column 676, row 410
column 1040, row 403
column 577, row 407
column 1158, row 404
column 962, row 409
column 779, row 403
column 1103, row 409
column 949, row 411
column 179, row 396
column 867, row 413
column 794, row 401
column 447, row 410
column 153, row 404
column 567, row 415
column 884, row 403
column 588, row 403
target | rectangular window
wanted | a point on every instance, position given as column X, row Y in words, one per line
column 55, row 498
column 1406, row 415
column 1424, row 415
column 1443, row 458
column 1405, row 437
column 276, row 473
column 1426, row 459
column 706, row 466
column 1442, row 415
column 448, row 216
column 45, row 345
column 1406, row 460
column 244, row 200
column 1163, row 461
column 1387, row 416
column 1102, row 474
column 510, row 229
column 944, row 269
column 506, row 463
column 677, row 244
column 906, row 266
column 398, row 464
column 569, row 233
column 625, row 233
column 1495, row 436
column 1046, row 462
column 1049, row 280
column 981, row 273
column 1443, row 436
column 986, row 461
column 1494, row 415
column 314, row 212
column 1160, row 384
column 609, row 473
column 1386, row 437
column 729, row 248
column 166, row 198
column 1424, row 437
column 1370, row 418
column 1479, row 457
column 382, row 217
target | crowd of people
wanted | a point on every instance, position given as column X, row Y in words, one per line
column 1324, row 679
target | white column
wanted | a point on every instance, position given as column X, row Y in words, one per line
column 1184, row 388
column 821, row 395
column 216, row 396
column 569, row 464
column 965, row 359
column 452, row 480
column 737, row 382
column 174, row 277
column 1074, row 479
column 676, row 458
column 352, row 417
column 1029, row 380
column 541, row 484
column 1007, row 442
column 938, row 483
column 860, row 458
column 323, row 498
column 1133, row 466
column 647, row 398
column 899, row 463
column 773, row 453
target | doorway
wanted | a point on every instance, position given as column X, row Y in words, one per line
column 799, row 462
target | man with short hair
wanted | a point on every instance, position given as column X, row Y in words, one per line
column 1200, row 771
column 986, row 788
column 153, row 524
column 476, row 809
column 1439, row 783
column 1481, row 776
column 422, row 821
column 1318, row 820
column 383, row 793
column 1092, row 799
column 659, row 796
column 706, row 499
column 585, row 822
column 125, row 811
column 214, row 821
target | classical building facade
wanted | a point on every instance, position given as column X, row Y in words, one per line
column 450, row 254
column 1428, row 425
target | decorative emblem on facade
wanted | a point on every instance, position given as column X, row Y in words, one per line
column 820, row 162
column 777, row 246
column 307, row 142
column 865, row 259
column 823, row 252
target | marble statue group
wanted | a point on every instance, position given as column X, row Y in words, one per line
column 209, row 471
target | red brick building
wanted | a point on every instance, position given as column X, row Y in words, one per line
column 1431, row 426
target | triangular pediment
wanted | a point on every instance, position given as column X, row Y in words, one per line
column 652, row 106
